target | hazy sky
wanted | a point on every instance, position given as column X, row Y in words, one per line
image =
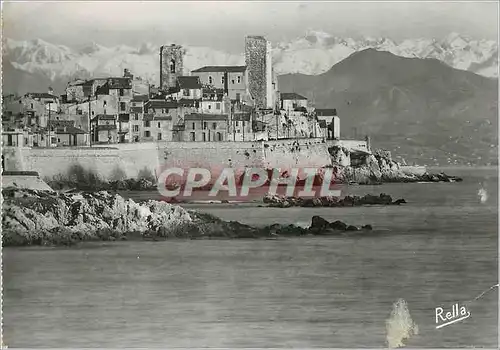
column 223, row 25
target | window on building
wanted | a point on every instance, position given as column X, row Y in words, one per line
column 159, row 125
column 159, row 136
column 104, row 103
column 214, row 126
column 147, row 133
column 192, row 136
column 222, row 80
column 219, row 136
column 238, row 96
column 32, row 106
column 92, row 114
column 232, row 81
column 136, row 116
column 122, row 92
column 147, row 123
column 210, row 80
column 237, row 124
column 204, row 137
column 186, row 92
column 217, row 105
column 193, row 126
column 205, row 125
column 239, row 79
column 122, row 106
column 172, row 66
column 136, row 128
column 79, row 112
column 209, row 106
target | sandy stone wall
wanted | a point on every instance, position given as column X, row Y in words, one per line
column 148, row 159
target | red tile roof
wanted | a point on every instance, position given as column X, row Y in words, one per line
column 160, row 104
column 229, row 69
column 292, row 96
column 325, row 112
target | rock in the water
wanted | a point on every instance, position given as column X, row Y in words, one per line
column 338, row 225
column 367, row 227
column 319, row 223
column 347, row 201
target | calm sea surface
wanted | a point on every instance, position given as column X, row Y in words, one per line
column 439, row 249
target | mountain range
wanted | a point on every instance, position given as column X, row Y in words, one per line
column 422, row 110
column 36, row 64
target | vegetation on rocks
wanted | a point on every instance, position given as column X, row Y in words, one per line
column 83, row 179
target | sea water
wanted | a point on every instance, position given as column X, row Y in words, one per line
column 440, row 248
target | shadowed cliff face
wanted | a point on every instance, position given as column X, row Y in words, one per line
column 419, row 109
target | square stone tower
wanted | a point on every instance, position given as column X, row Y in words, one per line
column 171, row 65
column 258, row 59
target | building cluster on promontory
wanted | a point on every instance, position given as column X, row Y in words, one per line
column 208, row 104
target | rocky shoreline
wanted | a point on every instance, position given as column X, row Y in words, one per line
column 373, row 169
column 31, row 217
column 377, row 168
column 348, row 201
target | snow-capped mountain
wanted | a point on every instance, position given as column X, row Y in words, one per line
column 317, row 52
column 314, row 53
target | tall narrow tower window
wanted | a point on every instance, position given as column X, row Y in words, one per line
column 172, row 66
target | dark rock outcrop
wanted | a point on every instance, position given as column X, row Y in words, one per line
column 31, row 217
column 348, row 201
column 378, row 168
